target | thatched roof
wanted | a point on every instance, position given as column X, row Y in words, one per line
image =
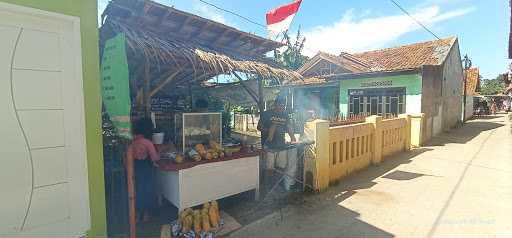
column 187, row 47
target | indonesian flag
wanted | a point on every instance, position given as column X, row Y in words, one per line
column 279, row 19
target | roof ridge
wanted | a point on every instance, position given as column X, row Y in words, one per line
column 451, row 38
column 326, row 53
column 353, row 58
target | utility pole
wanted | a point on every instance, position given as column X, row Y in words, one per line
column 467, row 66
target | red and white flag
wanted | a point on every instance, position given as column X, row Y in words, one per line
column 279, row 19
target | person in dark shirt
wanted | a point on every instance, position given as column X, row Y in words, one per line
column 273, row 125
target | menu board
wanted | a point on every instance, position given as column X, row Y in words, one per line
column 115, row 84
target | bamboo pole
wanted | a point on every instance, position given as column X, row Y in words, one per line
column 247, row 89
column 147, row 88
column 130, row 177
column 260, row 95
column 191, row 100
column 260, row 103
column 164, row 83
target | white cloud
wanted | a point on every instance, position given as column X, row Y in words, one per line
column 351, row 34
column 210, row 13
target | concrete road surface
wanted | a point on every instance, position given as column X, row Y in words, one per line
column 460, row 185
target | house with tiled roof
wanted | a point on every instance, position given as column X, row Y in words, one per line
column 472, row 88
column 423, row 77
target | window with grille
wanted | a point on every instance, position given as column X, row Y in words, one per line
column 377, row 101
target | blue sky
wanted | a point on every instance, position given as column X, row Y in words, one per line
column 354, row 26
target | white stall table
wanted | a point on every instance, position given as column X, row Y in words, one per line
column 209, row 181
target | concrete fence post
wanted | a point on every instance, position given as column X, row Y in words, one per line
column 377, row 138
column 417, row 129
column 407, row 139
column 245, row 123
column 318, row 130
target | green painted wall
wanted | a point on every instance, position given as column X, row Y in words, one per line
column 87, row 11
column 412, row 83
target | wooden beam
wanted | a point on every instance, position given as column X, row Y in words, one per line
column 261, row 105
column 162, row 85
column 200, row 30
column 220, row 36
column 136, row 71
column 198, row 78
column 146, row 9
column 162, row 76
column 261, row 99
column 139, row 98
column 183, row 24
column 146, row 87
column 249, row 90
column 190, row 96
column 239, row 38
column 130, row 180
column 162, row 18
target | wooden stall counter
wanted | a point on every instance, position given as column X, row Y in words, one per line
column 193, row 183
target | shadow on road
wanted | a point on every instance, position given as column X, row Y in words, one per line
column 404, row 175
column 328, row 216
column 365, row 179
column 463, row 134
column 487, row 117
column 324, row 210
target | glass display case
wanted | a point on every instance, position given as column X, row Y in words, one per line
column 197, row 128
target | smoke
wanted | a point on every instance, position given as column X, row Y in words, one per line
column 315, row 103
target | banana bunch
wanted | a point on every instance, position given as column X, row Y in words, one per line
column 216, row 150
column 199, row 221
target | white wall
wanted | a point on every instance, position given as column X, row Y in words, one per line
column 453, row 89
column 413, row 104
column 469, row 107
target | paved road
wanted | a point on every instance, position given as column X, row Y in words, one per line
column 458, row 186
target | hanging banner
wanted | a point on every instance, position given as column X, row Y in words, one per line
column 115, row 84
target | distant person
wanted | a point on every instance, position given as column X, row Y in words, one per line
column 145, row 155
column 494, row 108
column 507, row 105
column 485, row 105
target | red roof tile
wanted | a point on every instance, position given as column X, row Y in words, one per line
column 307, row 81
column 348, row 63
column 408, row 56
column 405, row 57
column 472, row 81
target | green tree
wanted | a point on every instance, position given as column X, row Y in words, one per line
column 291, row 57
column 493, row 86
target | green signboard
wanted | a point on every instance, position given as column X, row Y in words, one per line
column 115, row 84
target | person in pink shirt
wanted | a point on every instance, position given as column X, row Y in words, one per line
column 145, row 156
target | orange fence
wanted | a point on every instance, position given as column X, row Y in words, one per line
column 394, row 136
column 350, row 149
column 341, row 150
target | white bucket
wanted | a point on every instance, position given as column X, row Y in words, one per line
column 158, row 138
